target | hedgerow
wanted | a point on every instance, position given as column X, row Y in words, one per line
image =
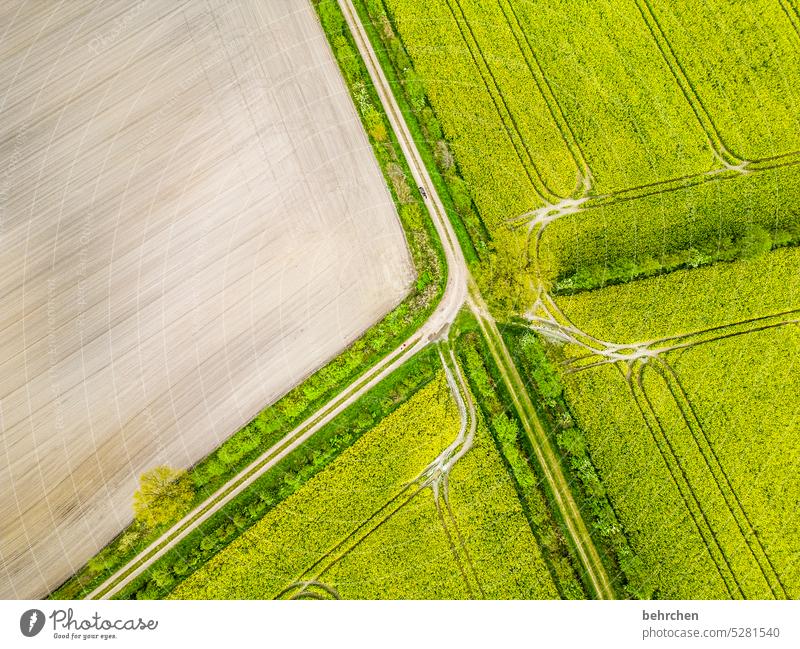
column 702, row 220
column 510, row 443
column 289, row 538
column 689, row 300
column 284, row 479
column 754, row 241
column 547, row 392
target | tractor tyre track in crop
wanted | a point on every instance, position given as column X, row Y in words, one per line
column 712, row 462
column 550, row 99
column 668, row 456
column 531, row 169
column 726, row 156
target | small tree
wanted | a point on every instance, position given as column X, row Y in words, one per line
column 164, row 495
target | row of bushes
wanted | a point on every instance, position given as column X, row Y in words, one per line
column 754, row 241
column 512, row 446
column 546, row 389
column 284, row 479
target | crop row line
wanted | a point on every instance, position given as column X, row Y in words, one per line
column 437, row 471
column 792, row 13
column 613, row 352
column 787, row 159
column 469, row 423
column 727, row 157
column 720, row 476
column 364, row 530
column 635, row 383
column 546, row 91
column 308, row 590
column 457, row 547
column 486, row 74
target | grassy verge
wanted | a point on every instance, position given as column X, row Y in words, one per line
column 425, row 129
column 284, row 479
column 517, row 456
column 536, row 365
column 275, row 421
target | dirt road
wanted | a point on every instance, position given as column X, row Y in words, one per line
column 191, row 221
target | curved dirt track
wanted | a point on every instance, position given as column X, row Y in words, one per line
column 191, row 221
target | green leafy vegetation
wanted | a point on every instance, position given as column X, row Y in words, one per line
column 546, row 388
column 754, row 241
column 365, row 528
column 512, row 446
column 284, row 479
column 672, row 438
column 692, row 226
column 519, row 99
column 689, row 300
column 165, row 494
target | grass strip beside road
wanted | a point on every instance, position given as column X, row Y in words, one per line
column 545, row 455
column 268, row 429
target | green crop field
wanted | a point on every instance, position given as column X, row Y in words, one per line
column 702, row 219
column 679, row 304
column 745, row 74
column 764, row 366
column 603, row 121
column 366, row 528
column 496, row 555
column 682, row 386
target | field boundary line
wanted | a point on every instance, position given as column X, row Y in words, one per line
column 636, row 387
column 471, row 42
column 715, row 467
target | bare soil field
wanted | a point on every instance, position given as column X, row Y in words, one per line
column 191, row 221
